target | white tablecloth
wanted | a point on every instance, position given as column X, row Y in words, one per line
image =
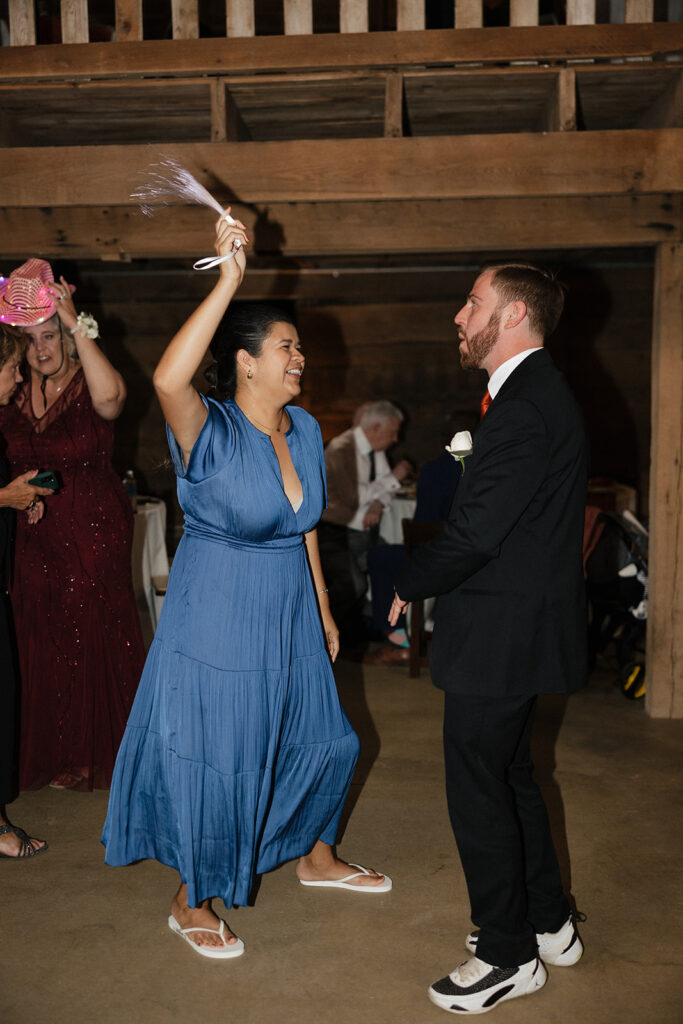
column 150, row 558
column 390, row 528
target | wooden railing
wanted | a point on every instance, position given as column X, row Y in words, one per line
column 298, row 17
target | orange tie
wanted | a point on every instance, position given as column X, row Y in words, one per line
column 485, row 403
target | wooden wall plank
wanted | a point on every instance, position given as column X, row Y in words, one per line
column 637, row 11
column 298, row 16
column 468, row 14
column 667, row 112
column 239, row 18
column 74, row 16
column 410, row 15
column 523, row 12
column 353, row 16
column 319, row 229
column 185, row 19
column 664, row 654
column 559, row 163
column 580, row 12
column 128, row 20
column 393, row 106
column 331, row 51
column 22, row 23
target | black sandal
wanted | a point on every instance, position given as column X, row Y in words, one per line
column 26, row 848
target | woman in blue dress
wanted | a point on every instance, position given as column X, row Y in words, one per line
column 237, row 755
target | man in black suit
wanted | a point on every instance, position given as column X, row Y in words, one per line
column 509, row 624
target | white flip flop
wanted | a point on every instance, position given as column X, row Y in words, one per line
column 347, row 882
column 223, row 952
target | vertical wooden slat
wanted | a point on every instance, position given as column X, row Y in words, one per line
column 468, row 14
column 22, row 23
column 128, row 20
column 240, row 20
column 353, row 16
column 639, row 11
column 560, row 114
column 664, row 641
column 393, row 106
column 667, row 110
column 580, row 12
column 523, row 12
column 185, row 19
column 219, row 129
column 410, row 15
column 298, row 17
column 75, row 21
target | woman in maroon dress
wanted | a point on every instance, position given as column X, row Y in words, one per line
column 80, row 647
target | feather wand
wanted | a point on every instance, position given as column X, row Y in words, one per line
column 167, row 181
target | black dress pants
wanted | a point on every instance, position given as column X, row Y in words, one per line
column 501, row 825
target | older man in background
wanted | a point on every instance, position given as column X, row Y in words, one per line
column 360, row 485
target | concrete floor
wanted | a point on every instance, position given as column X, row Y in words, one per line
column 84, row 943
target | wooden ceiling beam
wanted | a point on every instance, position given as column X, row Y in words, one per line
column 441, row 167
column 309, row 230
column 547, row 43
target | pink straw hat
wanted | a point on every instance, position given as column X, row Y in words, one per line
column 24, row 298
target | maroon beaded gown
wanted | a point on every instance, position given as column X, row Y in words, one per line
column 80, row 646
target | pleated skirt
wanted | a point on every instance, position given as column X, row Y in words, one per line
column 237, row 755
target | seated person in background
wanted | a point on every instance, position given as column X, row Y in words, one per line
column 360, row 485
column 436, row 486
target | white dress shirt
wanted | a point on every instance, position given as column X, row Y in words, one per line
column 499, row 376
column 381, row 488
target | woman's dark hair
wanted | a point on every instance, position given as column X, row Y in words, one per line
column 12, row 344
column 245, row 325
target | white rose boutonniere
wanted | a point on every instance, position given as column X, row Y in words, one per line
column 460, row 446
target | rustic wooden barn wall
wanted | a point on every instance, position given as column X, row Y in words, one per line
column 394, row 340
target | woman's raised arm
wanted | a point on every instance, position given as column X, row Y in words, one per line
column 183, row 409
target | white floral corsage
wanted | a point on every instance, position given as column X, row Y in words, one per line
column 460, row 446
column 87, row 325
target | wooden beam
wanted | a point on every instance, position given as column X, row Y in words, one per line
column 128, row 20
column 353, row 16
column 330, row 51
column 437, row 167
column 468, row 14
column 410, row 15
column 393, row 106
column 333, row 229
column 22, row 23
column 239, row 18
column 664, row 643
column 74, row 16
column 185, row 19
column 298, row 16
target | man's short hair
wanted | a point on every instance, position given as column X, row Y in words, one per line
column 540, row 291
column 377, row 412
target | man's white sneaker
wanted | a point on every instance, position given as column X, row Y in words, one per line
column 477, row 987
column 560, row 949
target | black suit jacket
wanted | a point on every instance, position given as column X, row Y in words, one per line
column 511, row 617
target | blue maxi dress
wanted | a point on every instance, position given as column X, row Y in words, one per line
column 237, row 755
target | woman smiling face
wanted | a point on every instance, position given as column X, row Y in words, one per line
column 278, row 368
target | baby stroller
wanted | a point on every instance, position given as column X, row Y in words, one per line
column 616, row 585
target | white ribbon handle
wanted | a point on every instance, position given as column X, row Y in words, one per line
column 209, row 262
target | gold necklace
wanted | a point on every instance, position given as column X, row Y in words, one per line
column 268, row 430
